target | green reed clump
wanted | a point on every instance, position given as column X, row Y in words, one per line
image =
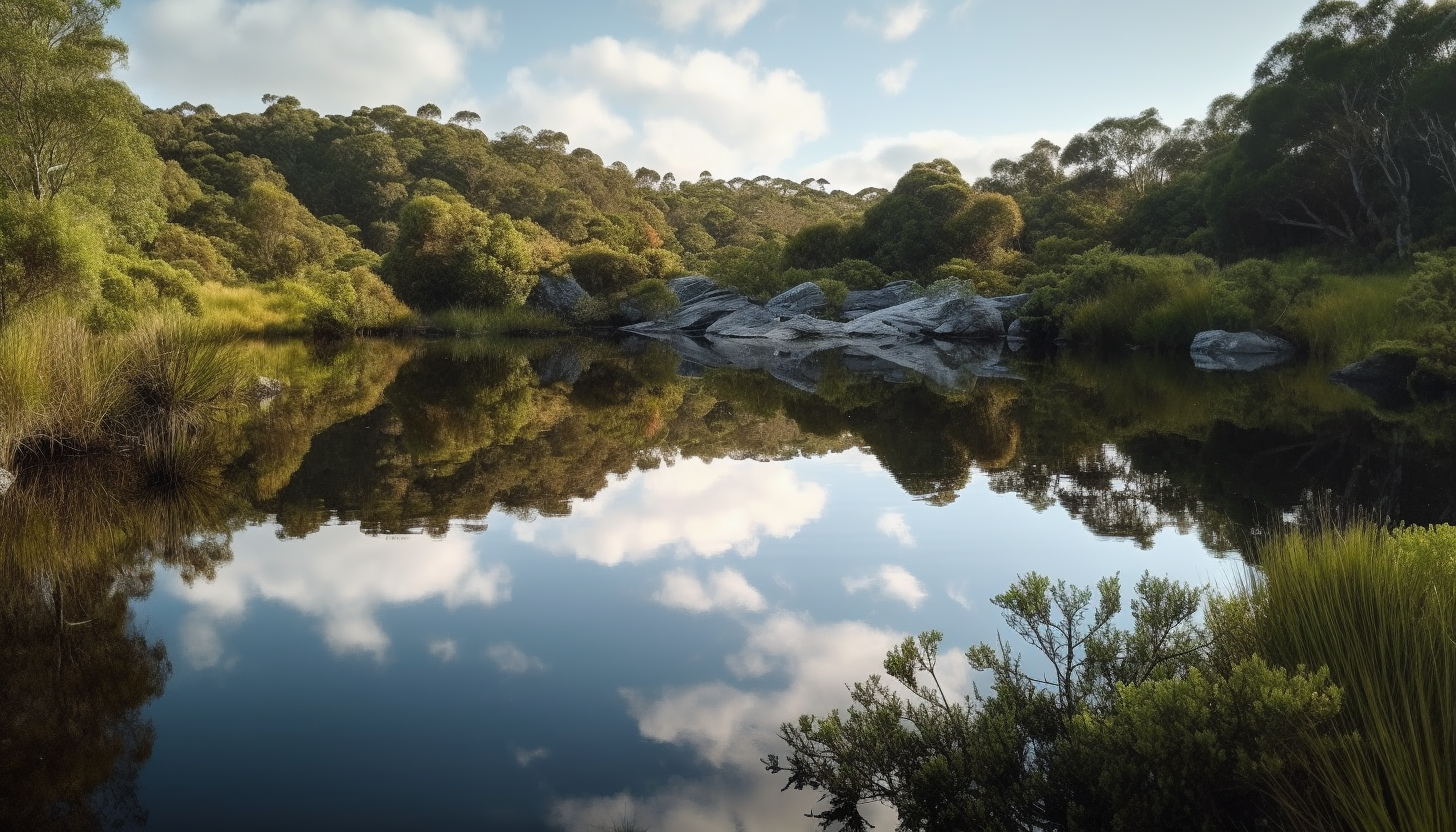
column 465, row 320
column 1349, row 316
column 65, row 390
column 1378, row 609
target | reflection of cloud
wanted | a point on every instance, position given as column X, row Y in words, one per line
column 445, row 649
column 340, row 576
column 695, row 507
column 510, row 659
column 732, row 728
column 894, row 582
column 727, row 589
column 892, row 525
column 525, row 757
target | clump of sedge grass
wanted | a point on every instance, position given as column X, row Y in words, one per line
column 1378, row 608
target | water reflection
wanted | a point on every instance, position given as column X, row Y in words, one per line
column 443, row 510
column 690, row 507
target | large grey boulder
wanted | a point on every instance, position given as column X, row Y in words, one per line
column 690, row 287
column 7, row 481
column 1239, row 351
column 863, row 302
column 698, row 312
column 950, row 315
column 557, row 296
column 804, row 299
column 758, row 322
column 1010, row 304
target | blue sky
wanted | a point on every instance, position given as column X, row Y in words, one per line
column 852, row 91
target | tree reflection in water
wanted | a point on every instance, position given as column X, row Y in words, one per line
column 400, row 437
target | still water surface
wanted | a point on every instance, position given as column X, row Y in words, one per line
column 558, row 586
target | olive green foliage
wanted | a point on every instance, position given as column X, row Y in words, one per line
column 45, row 251
column 652, row 298
column 1161, row 726
column 1376, row 607
column 1430, row 300
column 604, row 270
column 451, row 253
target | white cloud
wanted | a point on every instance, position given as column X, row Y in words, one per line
column 892, row 525
column 511, row 659
column 726, row 589
column 525, row 757
column 334, row 55
column 958, row 595
column 894, row 23
column 682, row 112
column 895, row 79
column 893, row 582
column 339, row 576
column 692, row 508
column 731, row 728
column 962, row 9
column 445, row 649
column 880, row 162
column 726, row 16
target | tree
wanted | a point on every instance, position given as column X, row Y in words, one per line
column 465, row 118
column 451, row 253
column 1123, row 147
column 429, row 111
column 61, row 113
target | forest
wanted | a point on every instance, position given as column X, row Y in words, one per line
column 1320, row 204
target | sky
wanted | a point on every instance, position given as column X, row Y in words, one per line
column 853, row 91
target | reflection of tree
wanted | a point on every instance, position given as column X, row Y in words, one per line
column 80, row 537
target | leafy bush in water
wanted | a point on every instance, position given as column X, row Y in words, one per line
column 1169, row 725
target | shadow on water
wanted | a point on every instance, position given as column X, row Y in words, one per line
column 404, row 437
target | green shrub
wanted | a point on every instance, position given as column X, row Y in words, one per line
column 450, row 253
column 604, row 270
column 652, row 298
column 835, row 293
column 1431, row 303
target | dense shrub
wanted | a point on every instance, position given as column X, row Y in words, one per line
column 450, row 253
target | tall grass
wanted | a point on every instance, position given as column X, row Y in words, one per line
column 66, row 391
column 1350, row 315
column 463, row 320
column 1378, row 609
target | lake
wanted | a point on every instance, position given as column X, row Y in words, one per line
column 570, row 585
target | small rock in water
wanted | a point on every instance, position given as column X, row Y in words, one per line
column 1238, row 351
column 266, row 388
column 7, row 480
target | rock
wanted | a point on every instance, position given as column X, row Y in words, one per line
column 804, row 299
column 1010, row 304
column 1383, row 377
column 1016, row 336
column 266, row 389
column 697, row 313
column 632, row 311
column 687, row 288
column 863, row 302
column 758, row 322
column 1239, row 351
column 954, row 315
column 557, row 296
column 7, row 481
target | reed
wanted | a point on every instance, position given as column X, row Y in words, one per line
column 1350, row 315
column 1378, row 609
column 463, row 320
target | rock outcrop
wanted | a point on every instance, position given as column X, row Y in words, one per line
column 804, row 299
column 948, row 315
column 699, row 311
column 690, row 287
column 864, row 302
column 1239, row 351
column 557, row 296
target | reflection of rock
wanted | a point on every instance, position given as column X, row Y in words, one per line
column 804, row 299
column 1382, row 377
column 864, row 302
column 1241, row 351
column 7, row 480
column 563, row 365
column 1016, row 335
column 557, row 296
